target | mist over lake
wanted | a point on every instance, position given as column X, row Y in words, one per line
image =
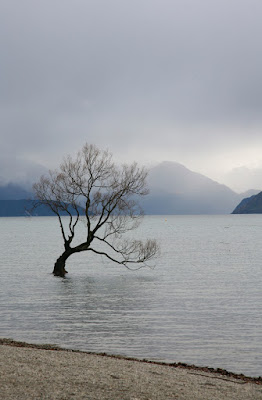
column 201, row 304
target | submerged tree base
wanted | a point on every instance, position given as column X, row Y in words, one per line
column 59, row 268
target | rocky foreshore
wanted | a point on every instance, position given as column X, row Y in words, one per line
column 31, row 371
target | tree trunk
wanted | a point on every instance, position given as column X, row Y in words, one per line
column 59, row 267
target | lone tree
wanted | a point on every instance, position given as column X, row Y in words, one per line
column 93, row 189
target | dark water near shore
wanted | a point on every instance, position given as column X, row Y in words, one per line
column 200, row 305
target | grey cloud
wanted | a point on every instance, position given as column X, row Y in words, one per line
column 183, row 72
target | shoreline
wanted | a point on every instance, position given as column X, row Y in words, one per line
column 53, row 347
column 35, row 371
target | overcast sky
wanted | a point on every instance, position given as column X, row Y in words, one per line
column 151, row 80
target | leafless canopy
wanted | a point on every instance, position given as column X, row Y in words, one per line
column 93, row 189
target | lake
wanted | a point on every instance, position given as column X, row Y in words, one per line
column 201, row 304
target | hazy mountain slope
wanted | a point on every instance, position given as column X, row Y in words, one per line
column 19, row 208
column 23, row 208
column 12, row 191
column 250, row 205
column 174, row 189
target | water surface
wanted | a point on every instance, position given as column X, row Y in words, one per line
column 201, row 304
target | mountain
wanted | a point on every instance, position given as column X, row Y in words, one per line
column 250, row 205
column 19, row 208
column 174, row 189
column 13, row 191
column 16, row 201
column 25, row 208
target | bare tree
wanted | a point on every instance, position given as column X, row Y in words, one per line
column 92, row 188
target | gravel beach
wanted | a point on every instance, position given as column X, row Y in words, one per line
column 44, row 372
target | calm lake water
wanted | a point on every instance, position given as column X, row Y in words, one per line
column 201, row 304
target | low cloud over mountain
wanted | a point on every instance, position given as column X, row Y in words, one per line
column 19, row 171
column 174, row 189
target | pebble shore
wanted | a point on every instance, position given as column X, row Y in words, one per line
column 47, row 372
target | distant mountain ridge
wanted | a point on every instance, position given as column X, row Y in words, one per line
column 250, row 205
column 26, row 208
column 21, row 208
column 174, row 189
column 13, row 191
